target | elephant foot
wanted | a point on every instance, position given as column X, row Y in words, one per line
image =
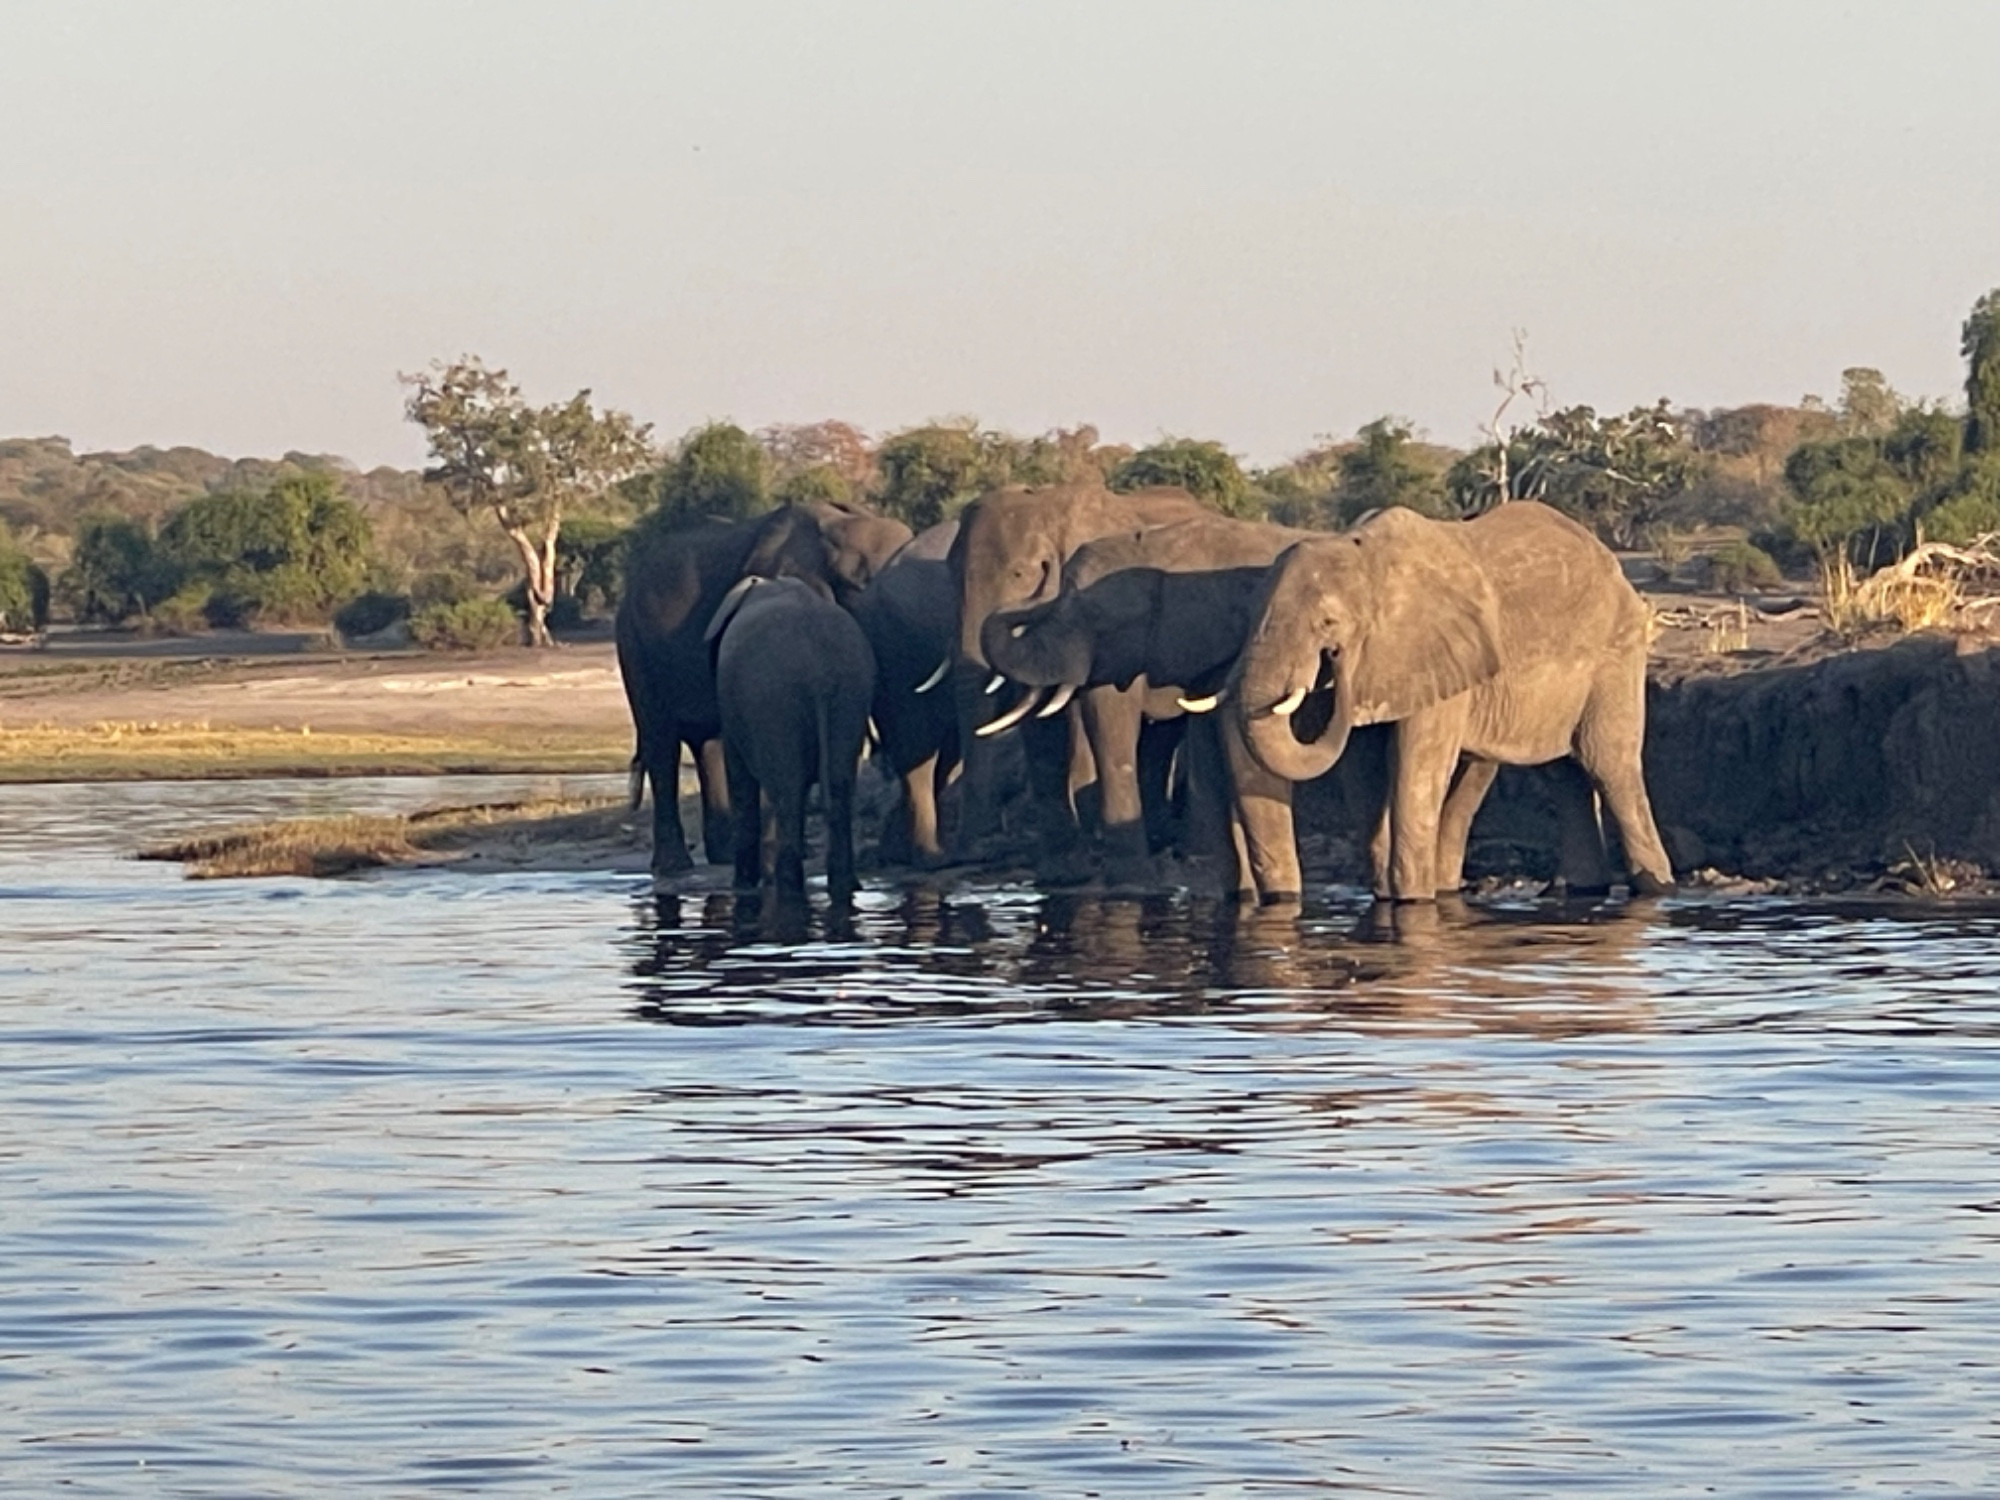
column 1280, row 898
column 1651, row 885
column 1579, row 892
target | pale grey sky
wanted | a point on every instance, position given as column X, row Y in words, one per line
column 231, row 224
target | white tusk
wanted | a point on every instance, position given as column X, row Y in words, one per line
column 1058, row 703
column 1012, row 717
column 1017, row 631
column 936, row 677
column 1206, row 705
column 998, row 681
column 1284, row 706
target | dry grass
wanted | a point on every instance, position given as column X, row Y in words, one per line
column 177, row 751
column 1935, row 586
column 343, row 845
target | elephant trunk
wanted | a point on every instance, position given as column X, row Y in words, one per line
column 1296, row 717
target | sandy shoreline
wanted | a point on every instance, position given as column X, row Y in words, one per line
column 155, row 715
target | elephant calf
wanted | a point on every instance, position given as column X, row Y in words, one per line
column 793, row 679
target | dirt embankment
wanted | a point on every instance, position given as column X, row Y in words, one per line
column 1856, row 762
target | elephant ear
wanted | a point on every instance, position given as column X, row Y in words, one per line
column 1426, row 623
column 726, row 610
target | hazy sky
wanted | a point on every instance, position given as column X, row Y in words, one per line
column 232, row 224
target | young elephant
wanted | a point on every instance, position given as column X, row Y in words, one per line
column 793, row 678
column 1512, row 639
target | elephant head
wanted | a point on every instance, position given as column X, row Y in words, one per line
column 1081, row 638
column 1362, row 628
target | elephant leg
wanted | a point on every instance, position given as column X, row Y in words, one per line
column 1112, row 718
column 979, row 783
column 670, row 847
column 1211, row 832
column 1426, row 749
column 711, row 770
column 1263, row 809
column 920, row 793
column 1059, row 853
column 1581, row 863
column 747, row 829
column 788, row 814
column 1159, row 739
column 1608, row 747
column 1461, row 806
column 838, row 787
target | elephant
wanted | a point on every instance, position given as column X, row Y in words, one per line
column 910, row 615
column 1170, row 605
column 793, row 681
column 676, row 577
column 1010, row 550
column 1510, row 639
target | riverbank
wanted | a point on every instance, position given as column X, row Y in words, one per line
column 154, row 715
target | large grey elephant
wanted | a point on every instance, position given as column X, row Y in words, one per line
column 1170, row 606
column 793, row 679
column 1010, row 550
column 676, row 577
column 910, row 615
column 1512, row 639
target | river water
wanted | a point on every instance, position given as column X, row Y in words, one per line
column 526, row 1184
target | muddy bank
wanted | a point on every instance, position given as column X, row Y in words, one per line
column 1835, row 771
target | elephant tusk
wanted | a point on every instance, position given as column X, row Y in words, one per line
column 937, row 676
column 995, row 683
column 1012, row 717
column 1058, row 703
column 1285, row 705
column 1206, row 705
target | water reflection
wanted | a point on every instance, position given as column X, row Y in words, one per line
column 1013, row 954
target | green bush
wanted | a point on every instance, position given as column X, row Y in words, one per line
column 184, row 612
column 24, row 590
column 442, row 586
column 469, row 625
column 1738, row 567
column 373, row 611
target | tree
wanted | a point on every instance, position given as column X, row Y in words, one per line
column 1384, row 467
column 719, row 471
column 493, row 453
column 818, row 461
column 1979, row 342
column 1848, row 498
column 24, row 588
column 1868, row 407
column 1206, row 470
column 1614, row 474
column 115, row 571
column 293, row 551
column 929, row 472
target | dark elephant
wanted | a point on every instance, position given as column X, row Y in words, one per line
column 910, row 616
column 1170, row 607
column 1010, row 550
column 794, row 679
column 676, row 577
column 1512, row 639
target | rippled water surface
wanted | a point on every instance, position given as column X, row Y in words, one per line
column 526, row 1184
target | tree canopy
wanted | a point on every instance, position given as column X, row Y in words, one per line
column 524, row 465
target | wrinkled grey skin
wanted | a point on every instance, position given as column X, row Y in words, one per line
column 1010, row 550
column 794, row 679
column 675, row 580
column 910, row 616
column 1512, row 639
column 1171, row 605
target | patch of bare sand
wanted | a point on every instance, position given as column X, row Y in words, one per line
column 571, row 694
